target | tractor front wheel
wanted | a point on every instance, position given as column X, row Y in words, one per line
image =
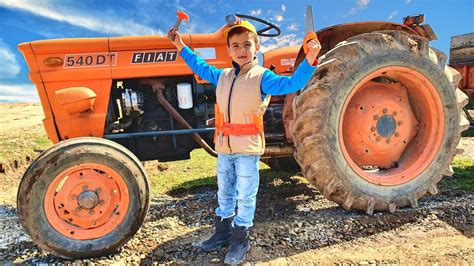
column 83, row 198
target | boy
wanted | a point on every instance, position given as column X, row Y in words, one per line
column 239, row 139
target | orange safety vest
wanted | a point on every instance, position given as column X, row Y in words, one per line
column 239, row 111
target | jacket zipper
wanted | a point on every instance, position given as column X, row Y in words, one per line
column 228, row 106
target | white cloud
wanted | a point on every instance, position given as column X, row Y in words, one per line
column 255, row 12
column 292, row 27
column 361, row 5
column 408, row 1
column 280, row 41
column 279, row 18
column 192, row 27
column 93, row 22
column 283, row 7
column 10, row 66
column 393, row 14
column 210, row 9
column 18, row 93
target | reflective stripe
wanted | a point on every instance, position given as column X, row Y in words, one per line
column 236, row 129
column 240, row 129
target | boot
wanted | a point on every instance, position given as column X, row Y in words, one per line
column 221, row 237
column 239, row 246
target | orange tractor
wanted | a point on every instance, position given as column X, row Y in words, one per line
column 375, row 129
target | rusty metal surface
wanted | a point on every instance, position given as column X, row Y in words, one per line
column 461, row 58
column 278, row 151
column 333, row 35
column 467, row 79
column 462, row 49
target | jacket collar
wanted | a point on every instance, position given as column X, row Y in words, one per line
column 245, row 68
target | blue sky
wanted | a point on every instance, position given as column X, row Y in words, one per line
column 29, row 20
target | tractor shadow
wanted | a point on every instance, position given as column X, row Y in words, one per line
column 291, row 217
column 461, row 216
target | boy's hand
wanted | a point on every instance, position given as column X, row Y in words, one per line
column 175, row 38
column 313, row 50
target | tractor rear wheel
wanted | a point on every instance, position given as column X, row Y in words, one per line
column 83, row 197
column 378, row 125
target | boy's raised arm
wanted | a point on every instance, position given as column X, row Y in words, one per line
column 196, row 63
column 280, row 85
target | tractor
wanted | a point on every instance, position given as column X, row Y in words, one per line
column 375, row 129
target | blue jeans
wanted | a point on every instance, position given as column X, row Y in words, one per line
column 237, row 181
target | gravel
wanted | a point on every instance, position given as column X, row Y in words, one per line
column 290, row 219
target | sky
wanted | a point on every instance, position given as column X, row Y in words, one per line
column 30, row 20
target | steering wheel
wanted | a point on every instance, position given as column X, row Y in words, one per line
column 262, row 32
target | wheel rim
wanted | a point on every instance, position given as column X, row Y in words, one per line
column 86, row 201
column 391, row 130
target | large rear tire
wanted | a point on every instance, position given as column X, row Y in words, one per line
column 377, row 126
column 83, row 197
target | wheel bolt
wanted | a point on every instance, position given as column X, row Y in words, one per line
column 372, row 129
column 84, row 187
column 101, row 202
column 78, row 208
column 388, row 141
column 394, row 113
column 385, row 110
column 98, row 190
column 378, row 138
column 376, row 117
column 397, row 134
column 91, row 212
column 399, row 123
column 74, row 197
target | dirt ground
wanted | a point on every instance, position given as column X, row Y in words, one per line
column 294, row 224
column 21, row 116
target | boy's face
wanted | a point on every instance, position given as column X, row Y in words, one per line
column 242, row 47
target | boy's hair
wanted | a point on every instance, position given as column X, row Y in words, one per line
column 239, row 30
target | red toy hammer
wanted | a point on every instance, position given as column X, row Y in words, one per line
column 181, row 16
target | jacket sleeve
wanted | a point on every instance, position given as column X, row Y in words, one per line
column 280, row 85
column 200, row 67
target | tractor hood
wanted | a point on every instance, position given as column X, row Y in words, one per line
column 119, row 57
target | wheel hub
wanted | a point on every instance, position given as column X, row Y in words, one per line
column 379, row 125
column 88, row 199
column 386, row 126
